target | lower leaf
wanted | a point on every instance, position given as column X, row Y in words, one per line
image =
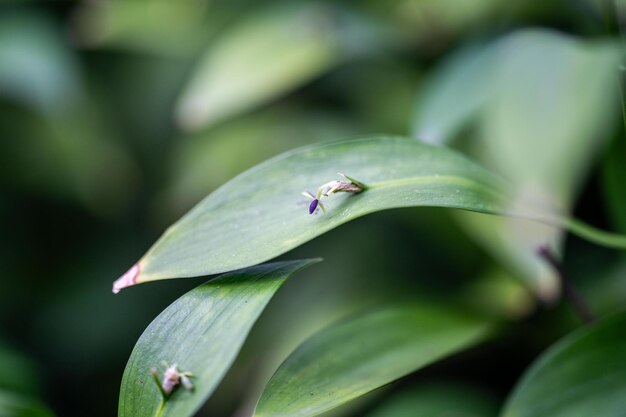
column 200, row 333
column 583, row 375
column 354, row 357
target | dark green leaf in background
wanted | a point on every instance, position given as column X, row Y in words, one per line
column 16, row 405
column 583, row 375
column 137, row 26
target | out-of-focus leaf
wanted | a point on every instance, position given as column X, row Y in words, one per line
column 202, row 333
column 496, row 292
column 15, row 405
column 438, row 400
column 261, row 213
column 552, row 99
column 352, row 358
column 69, row 157
column 454, row 95
column 18, row 373
column 266, row 55
column 62, row 142
column 161, row 26
column 582, row 375
column 432, row 23
column 36, row 68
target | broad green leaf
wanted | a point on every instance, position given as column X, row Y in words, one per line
column 202, row 333
column 262, row 56
column 16, row 405
column 582, row 375
column 261, row 213
column 363, row 353
column 438, row 400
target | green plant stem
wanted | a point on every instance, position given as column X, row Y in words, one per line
column 590, row 233
column 159, row 411
column 155, row 378
column 570, row 292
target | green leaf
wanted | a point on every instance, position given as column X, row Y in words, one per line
column 354, row 357
column 263, row 56
column 202, row 333
column 172, row 29
column 261, row 213
column 548, row 140
column 544, row 144
column 15, row 405
column 438, row 400
column 582, row 375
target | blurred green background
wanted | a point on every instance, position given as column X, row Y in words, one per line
column 116, row 117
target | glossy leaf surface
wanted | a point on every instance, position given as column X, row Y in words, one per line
column 261, row 213
column 363, row 353
column 202, row 333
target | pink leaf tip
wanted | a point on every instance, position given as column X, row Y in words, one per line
column 126, row 280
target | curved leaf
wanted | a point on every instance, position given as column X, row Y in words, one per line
column 202, row 333
column 354, row 357
column 438, row 400
column 261, row 214
column 582, row 375
column 267, row 54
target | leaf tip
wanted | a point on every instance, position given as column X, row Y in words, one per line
column 127, row 280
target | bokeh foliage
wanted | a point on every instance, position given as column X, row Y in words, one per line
column 117, row 117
